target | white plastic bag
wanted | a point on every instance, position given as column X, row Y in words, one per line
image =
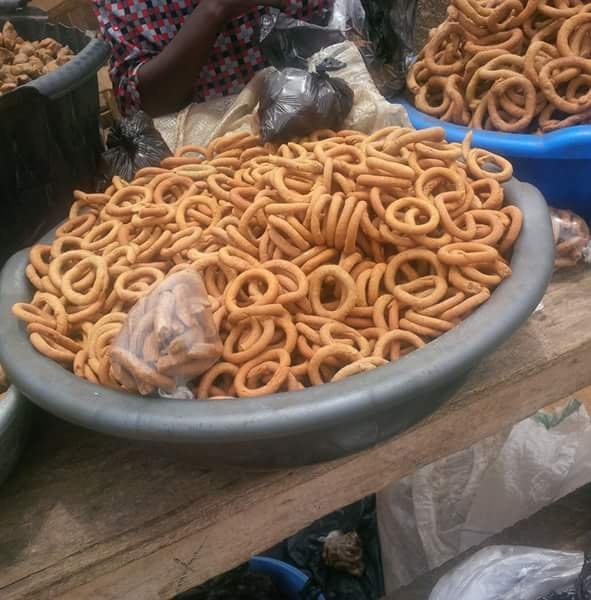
column 509, row 573
column 449, row 506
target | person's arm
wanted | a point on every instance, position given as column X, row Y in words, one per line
column 166, row 81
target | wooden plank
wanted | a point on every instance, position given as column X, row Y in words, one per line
column 94, row 517
column 564, row 525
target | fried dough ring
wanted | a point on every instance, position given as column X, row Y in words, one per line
column 304, row 248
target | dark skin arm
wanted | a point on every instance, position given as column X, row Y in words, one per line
column 165, row 83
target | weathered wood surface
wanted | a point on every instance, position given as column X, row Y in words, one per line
column 564, row 525
column 88, row 516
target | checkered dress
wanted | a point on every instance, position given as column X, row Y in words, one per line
column 138, row 30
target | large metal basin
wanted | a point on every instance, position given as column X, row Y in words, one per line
column 320, row 423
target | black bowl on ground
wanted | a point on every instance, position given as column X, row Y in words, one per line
column 15, row 422
column 288, row 429
column 50, row 140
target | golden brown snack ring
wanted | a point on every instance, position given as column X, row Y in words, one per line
column 389, row 342
column 282, row 360
column 315, row 218
column 348, row 292
column 76, row 226
column 338, row 333
column 363, row 365
column 251, row 349
column 126, row 280
column 98, row 287
column 467, row 253
column 429, row 221
column 53, row 344
column 207, row 382
column 402, row 291
column 268, row 297
column 326, row 353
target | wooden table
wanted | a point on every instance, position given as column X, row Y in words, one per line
column 88, row 516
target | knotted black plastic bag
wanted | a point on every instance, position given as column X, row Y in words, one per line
column 132, row 144
column 306, row 551
column 295, row 103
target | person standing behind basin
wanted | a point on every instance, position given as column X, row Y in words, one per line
column 168, row 53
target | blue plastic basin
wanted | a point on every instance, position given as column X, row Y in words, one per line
column 557, row 163
column 288, row 579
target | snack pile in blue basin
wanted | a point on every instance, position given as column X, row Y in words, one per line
column 557, row 163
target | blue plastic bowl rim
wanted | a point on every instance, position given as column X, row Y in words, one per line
column 571, row 143
column 263, row 564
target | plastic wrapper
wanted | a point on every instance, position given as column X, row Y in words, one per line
column 572, row 238
column 295, row 103
column 391, row 31
column 516, row 573
column 432, row 516
column 289, row 42
column 132, row 144
column 347, row 16
column 580, row 590
column 168, row 339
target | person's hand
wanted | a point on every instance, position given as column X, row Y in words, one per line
column 225, row 10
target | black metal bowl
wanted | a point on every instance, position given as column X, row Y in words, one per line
column 50, row 139
column 287, row 429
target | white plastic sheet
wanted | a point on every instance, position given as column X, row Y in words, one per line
column 445, row 508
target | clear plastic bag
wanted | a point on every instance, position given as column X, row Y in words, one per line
column 513, row 573
column 385, row 40
column 168, row 339
column 132, row 144
column 295, row 103
column 572, row 238
column 347, row 16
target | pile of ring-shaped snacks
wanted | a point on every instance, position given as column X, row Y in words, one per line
column 322, row 258
column 508, row 65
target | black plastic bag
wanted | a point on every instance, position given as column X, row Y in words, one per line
column 382, row 30
column 132, row 144
column 287, row 42
column 305, row 551
column 295, row 102
column 391, row 30
column 581, row 589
